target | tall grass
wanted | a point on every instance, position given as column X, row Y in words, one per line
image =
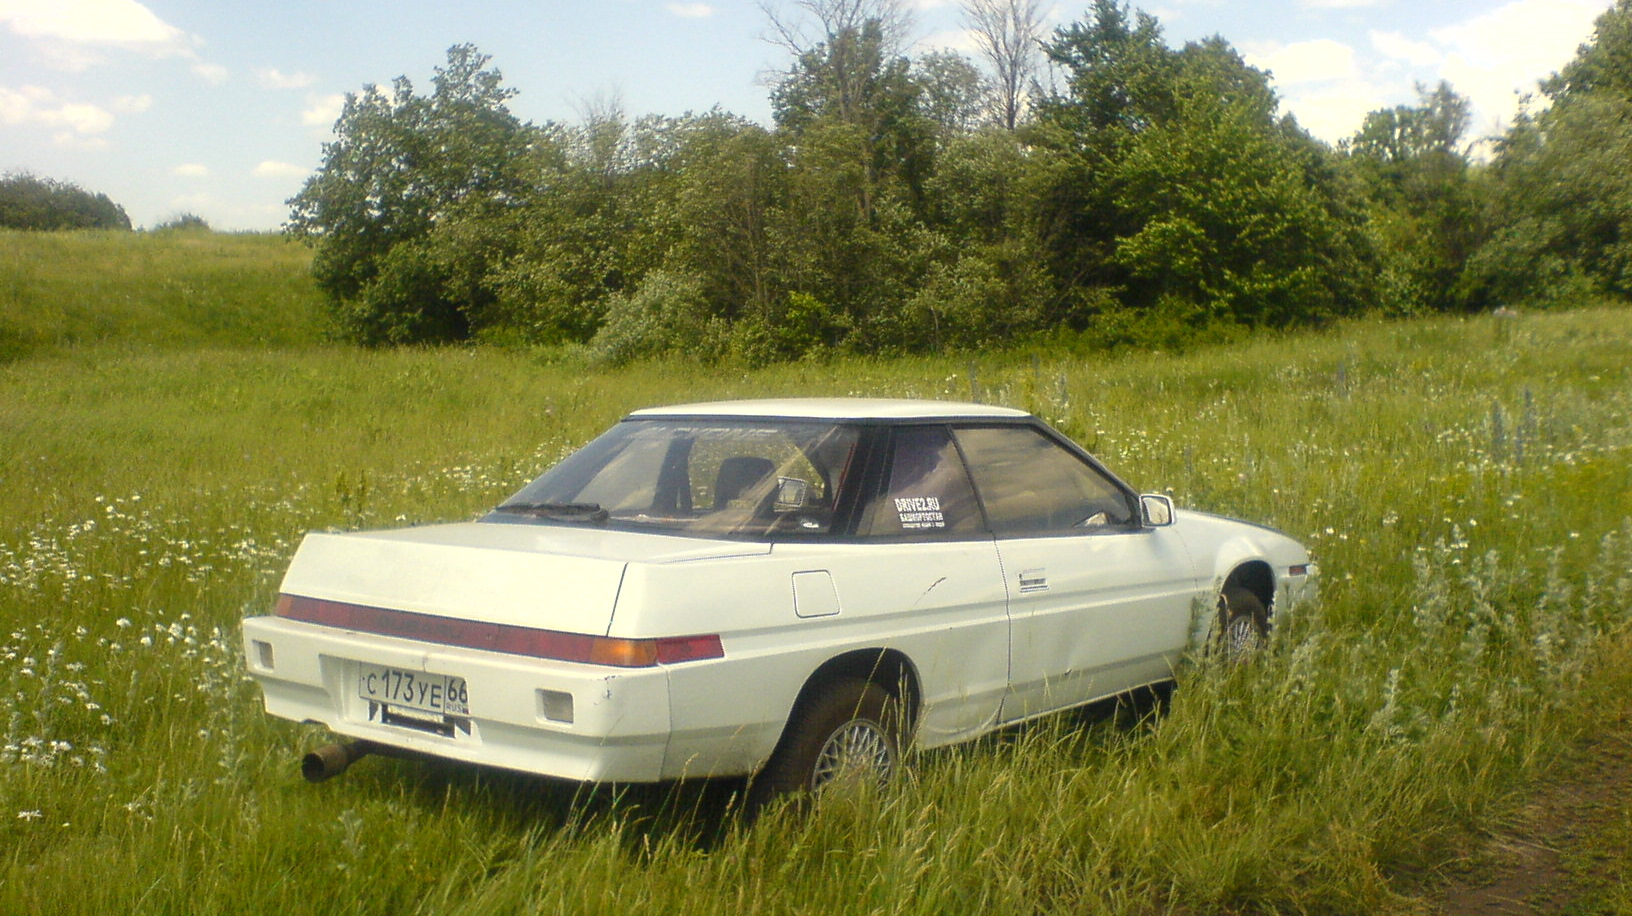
column 1463, row 483
column 157, row 290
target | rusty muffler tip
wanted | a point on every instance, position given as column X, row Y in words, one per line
column 331, row 760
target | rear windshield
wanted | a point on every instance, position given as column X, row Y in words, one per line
column 708, row 478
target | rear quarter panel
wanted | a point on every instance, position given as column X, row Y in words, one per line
column 941, row 604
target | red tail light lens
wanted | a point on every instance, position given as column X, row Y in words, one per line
column 500, row 637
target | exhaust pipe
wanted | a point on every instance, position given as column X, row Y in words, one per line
column 331, row 760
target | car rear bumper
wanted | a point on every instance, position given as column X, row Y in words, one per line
column 564, row 719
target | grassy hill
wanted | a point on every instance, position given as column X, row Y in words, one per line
column 1466, row 485
column 164, row 290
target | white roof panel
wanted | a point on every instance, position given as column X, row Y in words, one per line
column 835, row 409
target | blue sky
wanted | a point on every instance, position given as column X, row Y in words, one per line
column 220, row 108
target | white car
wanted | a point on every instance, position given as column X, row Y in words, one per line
column 796, row 589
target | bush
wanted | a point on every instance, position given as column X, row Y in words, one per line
column 184, row 222
column 666, row 313
column 29, row 202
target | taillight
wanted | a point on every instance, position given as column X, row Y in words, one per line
column 502, row 637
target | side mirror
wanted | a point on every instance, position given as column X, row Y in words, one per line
column 791, row 494
column 1158, row 510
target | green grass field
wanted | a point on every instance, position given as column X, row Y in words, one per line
column 164, row 290
column 1465, row 484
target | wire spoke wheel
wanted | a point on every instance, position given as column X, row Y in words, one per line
column 849, row 733
column 1243, row 623
column 1242, row 637
column 858, row 752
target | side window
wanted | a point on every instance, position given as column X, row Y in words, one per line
column 741, row 471
column 928, row 491
column 1033, row 485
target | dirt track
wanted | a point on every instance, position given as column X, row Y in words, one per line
column 1559, row 855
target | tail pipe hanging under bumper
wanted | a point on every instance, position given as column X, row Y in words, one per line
column 331, row 760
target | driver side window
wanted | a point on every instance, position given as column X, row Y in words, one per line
column 1033, row 485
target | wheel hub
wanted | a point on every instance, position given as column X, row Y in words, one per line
column 856, row 752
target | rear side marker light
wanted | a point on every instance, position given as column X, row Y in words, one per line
column 1302, row 570
column 502, row 637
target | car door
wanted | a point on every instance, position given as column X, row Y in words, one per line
column 1098, row 603
column 926, row 571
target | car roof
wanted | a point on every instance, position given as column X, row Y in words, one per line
column 835, row 409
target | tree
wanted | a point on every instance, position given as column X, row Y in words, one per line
column 1603, row 65
column 951, row 93
column 1191, row 197
column 812, row 23
column 598, row 217
column 850, row 241
column 1008, row 34
column 183, row 222
column 1425, row 213
column 405, row 176
column 30, row 202
column 1563, row 211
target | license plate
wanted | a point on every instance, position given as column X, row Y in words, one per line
column 439, row 694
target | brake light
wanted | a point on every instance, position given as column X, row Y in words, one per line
column 500, row 637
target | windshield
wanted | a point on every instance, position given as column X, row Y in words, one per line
column 696, row 477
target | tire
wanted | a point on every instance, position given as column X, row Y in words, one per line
column 850, row 731
column 1243, row 623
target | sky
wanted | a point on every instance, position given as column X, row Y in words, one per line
column 220, row 108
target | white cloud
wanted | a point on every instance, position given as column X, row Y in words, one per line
column 323, row 111
column 192, row 203
column 214, row 74
column 1322, row 60
column 690, row 10
column 1339, row 4
column 118, row 23
column 71, row 140
column 960, row 40
column 274, row 169
column 191, row 170
column 1496, row 57
column 1490, row 58
column 1395, row 46
column 132, row 104
column 35, row 105
column 17, row 104
column 273, row 78
column 1334, row 112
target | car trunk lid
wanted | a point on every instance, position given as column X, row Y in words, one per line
column 548, row 577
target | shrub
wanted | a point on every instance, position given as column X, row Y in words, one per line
column 183, row 222
column 29, row 202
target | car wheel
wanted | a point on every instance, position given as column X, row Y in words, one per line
column 851, row 732
column 1243, row 622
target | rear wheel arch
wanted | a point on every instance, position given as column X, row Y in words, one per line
column 888, row 668
column 855, row 710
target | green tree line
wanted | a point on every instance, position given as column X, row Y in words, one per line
column 1148, row 195
column 30, row 202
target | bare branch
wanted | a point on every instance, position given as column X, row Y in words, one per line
column 1008, row 34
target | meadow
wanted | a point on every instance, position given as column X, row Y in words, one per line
column 160, row 290
column 1465, row 485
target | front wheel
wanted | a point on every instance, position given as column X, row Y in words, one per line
column 1243, row 623
column 850, row 733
